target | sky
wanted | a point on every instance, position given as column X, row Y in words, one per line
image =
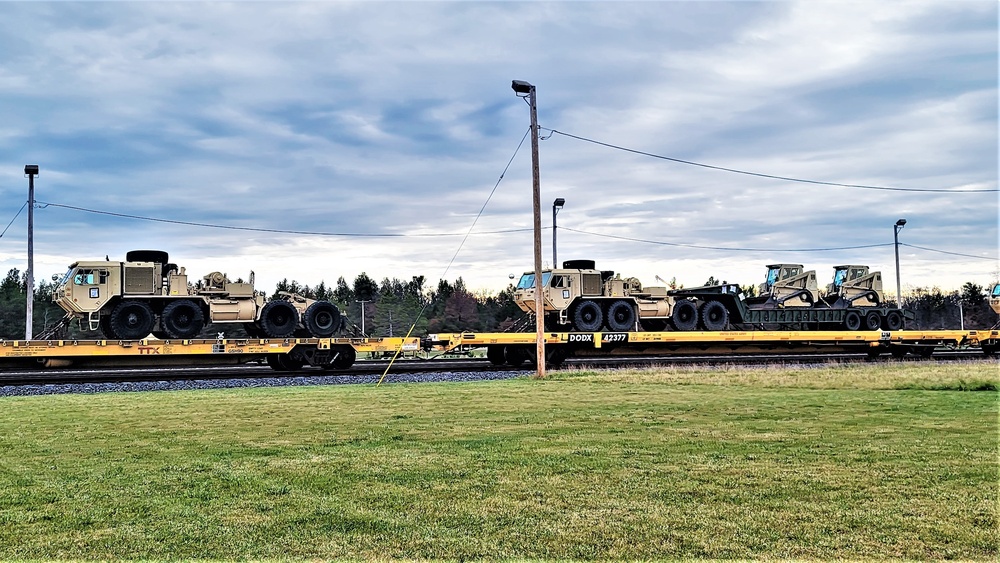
column 309, row 141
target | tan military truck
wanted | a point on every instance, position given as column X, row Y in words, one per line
column 146, row 294
column 582, row 298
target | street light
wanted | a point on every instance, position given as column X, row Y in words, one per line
column 556, row 206
column 31, row 170
column 527, row 90
column 895, row 237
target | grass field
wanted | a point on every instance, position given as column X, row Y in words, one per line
column 895, row 460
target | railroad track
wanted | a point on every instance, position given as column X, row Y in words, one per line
column 412, row 370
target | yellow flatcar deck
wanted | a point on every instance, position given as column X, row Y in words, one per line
column 234, row 351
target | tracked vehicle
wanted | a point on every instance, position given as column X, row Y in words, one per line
column 146, row 294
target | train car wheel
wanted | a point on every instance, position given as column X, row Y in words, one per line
column 132, row 320
column 322, row 319
column 685, row 316
column 182, row 319
column 279, row 319
column 852, row 320
column 873, row 321
column 621, row 316
column 345, row 358
column 893, row 320
column 283, row 362
column 514, row 356
column 714, row 316
column 587, row 316
column 495, row 355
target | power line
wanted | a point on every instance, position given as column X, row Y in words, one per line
column 16, row 215
column 948, row 252
column 726, row 248
column 761, row 175
column 279, row 231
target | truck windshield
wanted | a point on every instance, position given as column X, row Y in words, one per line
column 66, row 277
column 528, row 280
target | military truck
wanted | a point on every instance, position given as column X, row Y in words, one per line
column 790, row 299
column 146, row 294
column 580, row 297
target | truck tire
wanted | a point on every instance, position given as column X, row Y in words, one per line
column 132, row 320
column 714, row 316
column 106, row 329
column 279, row 319
column 587, row 317
column 322, row 319
column 685, row 315
column 182, row 319
column 893, row 320
column 852, row 321
column 873, row 321
column 620, row 316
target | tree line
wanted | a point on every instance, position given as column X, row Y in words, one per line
column 392, row 306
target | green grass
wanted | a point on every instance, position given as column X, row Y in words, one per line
column 894, row 461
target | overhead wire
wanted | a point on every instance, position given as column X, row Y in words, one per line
column 762, row 175
column 457, row 251
column 276, row 231
column 16, row 215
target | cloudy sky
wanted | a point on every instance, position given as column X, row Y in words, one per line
column 315, row 140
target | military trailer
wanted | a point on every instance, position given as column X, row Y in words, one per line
column 790, row 299
column 146, row 294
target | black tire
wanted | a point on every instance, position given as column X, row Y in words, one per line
column 893, row 321
column 873, row 321
column 182, row 319
column 345, row 358
column 284, row 362
column 106, row 329
column 587, row 316
column 852, row 321
column 898, row 351
column 685, row 315
column 322, row 319
column 714, row 316
column 279, row 319
column 495, row 355
column 620, row 316
column 132, row 320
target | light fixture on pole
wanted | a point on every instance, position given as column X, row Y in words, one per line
column 526, row 90
column 895, row 237
column 556, row 206
column 31, row 170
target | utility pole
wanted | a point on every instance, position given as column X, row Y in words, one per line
column 526, row 90
column 31, row 170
